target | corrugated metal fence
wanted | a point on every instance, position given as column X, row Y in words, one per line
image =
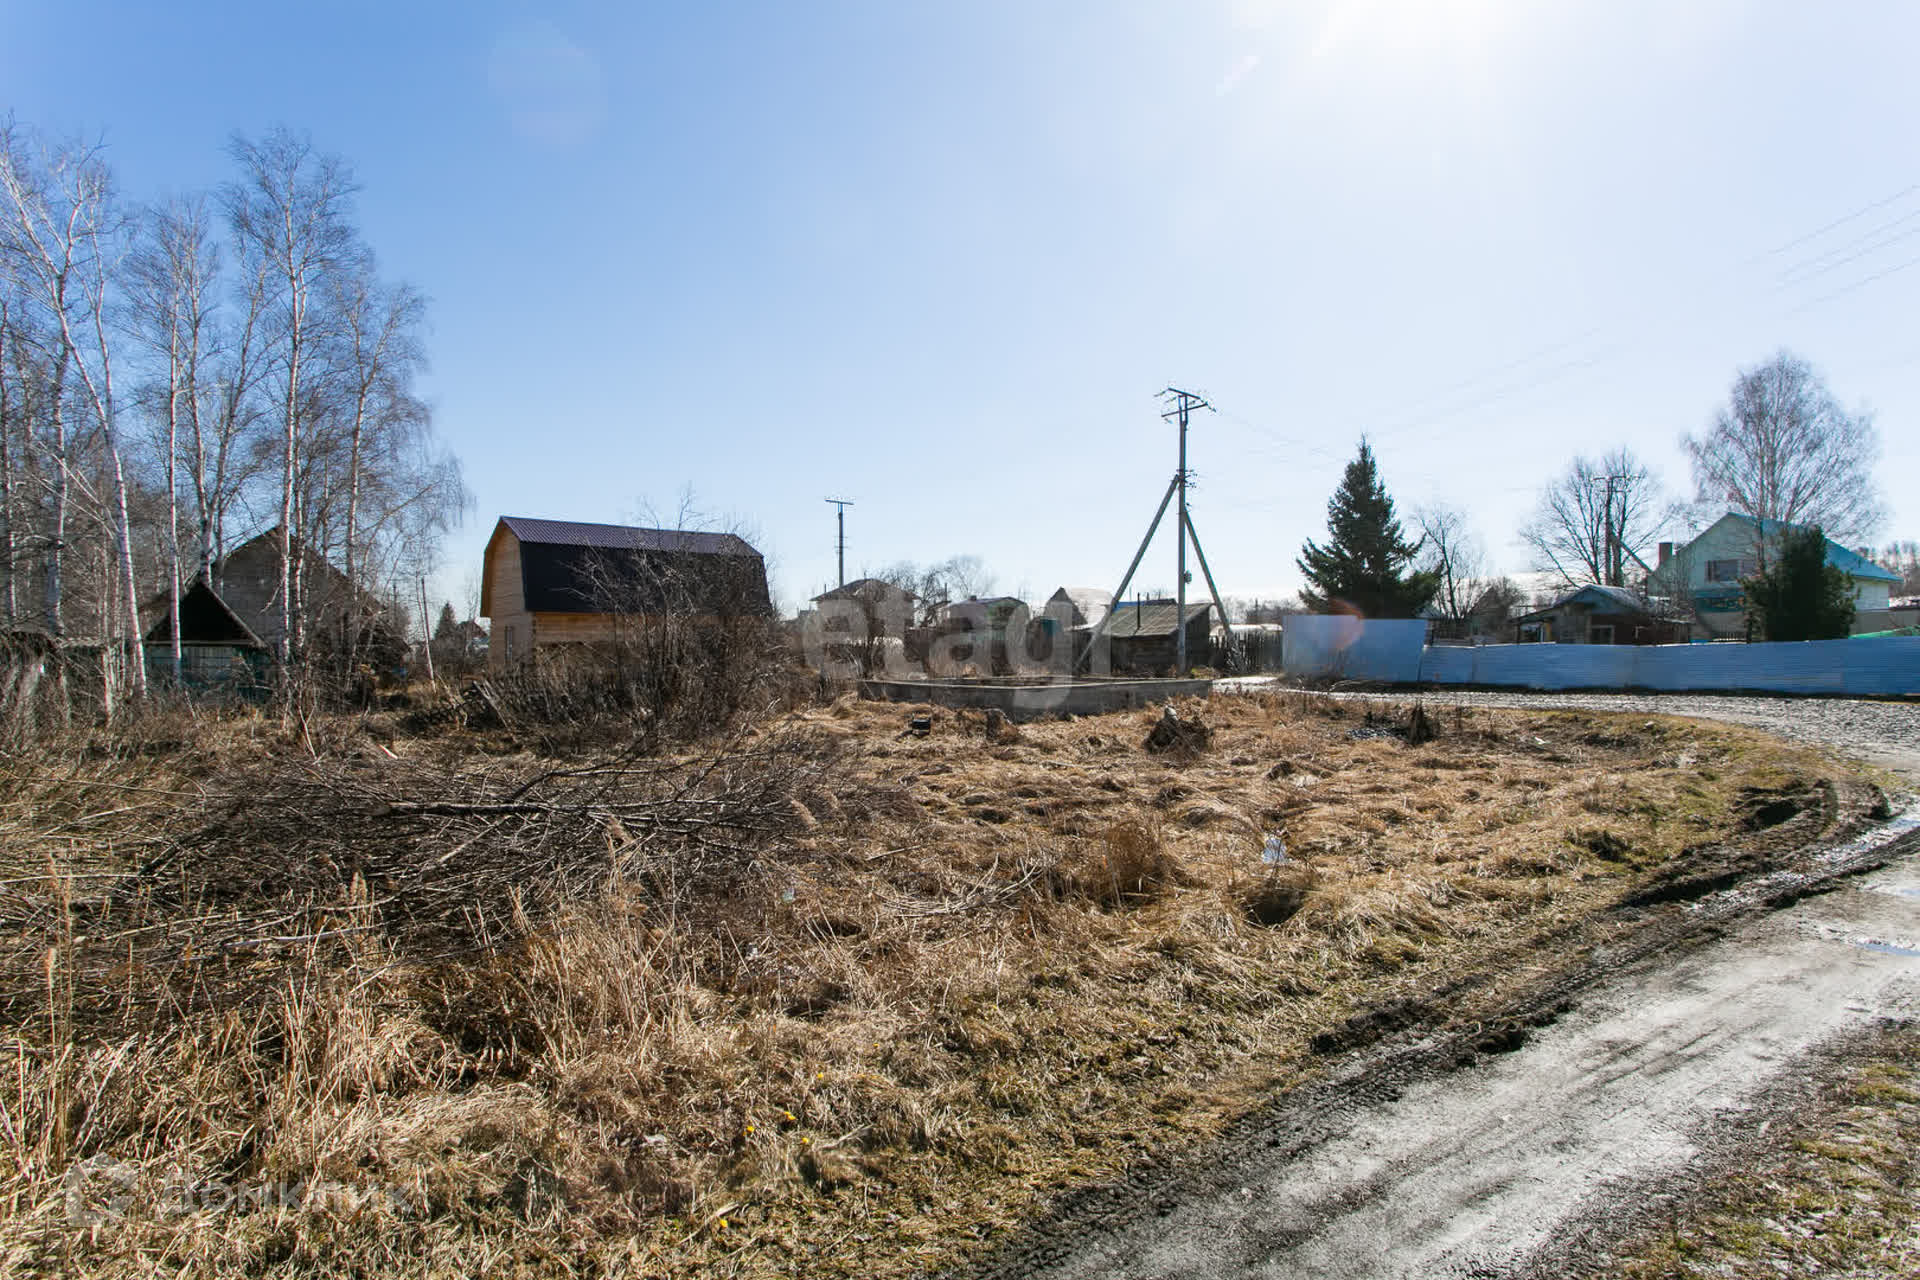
column 1395, row 652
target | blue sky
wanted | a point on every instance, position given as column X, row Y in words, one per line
column 937, row 258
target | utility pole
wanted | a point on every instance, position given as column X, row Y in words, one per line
column 1183, row 403
column 842, row 504
column 1613, row 560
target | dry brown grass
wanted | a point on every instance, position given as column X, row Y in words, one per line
column 959, row 977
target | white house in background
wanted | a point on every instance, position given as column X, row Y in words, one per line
column 1708, row 572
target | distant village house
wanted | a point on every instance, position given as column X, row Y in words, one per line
column 1708, row 573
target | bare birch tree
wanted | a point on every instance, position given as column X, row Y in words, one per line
column 1452, row 552
column 9, row 547
column 378, row 335
column 67, row 237
column 172, row 279
column 21, row 183
column 290, row 210
column 1783, row 448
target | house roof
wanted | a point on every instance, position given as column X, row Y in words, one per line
column 863, row 589
column 572, row 567
column 1154, row 618
column 620, row 537
column 1089, row 603
column 204, row 619
column 1845, row 559
column 982, row 606
column 1598, row 596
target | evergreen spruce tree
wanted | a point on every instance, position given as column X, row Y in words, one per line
column 1800, row 596
column 1366, row 565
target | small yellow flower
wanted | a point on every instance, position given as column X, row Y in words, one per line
column 788, row 1116
column 749, row 1131
column 722, row 1224
column 806, row 1141
column 819, row 1075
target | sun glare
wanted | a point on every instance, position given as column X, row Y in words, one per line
column 1420, row 27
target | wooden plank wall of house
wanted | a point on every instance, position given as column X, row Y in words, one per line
column 503, row 601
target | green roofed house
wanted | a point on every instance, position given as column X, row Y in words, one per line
column 1708, row 573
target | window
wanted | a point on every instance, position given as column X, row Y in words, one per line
column 1732, row 570
column 510, row 642
column 1601, row 635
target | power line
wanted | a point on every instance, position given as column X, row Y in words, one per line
column 1858, row 284
column 1793, row 275
column 1412, row 413
column 1843, row 220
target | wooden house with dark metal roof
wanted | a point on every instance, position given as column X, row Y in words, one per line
column 549, row 582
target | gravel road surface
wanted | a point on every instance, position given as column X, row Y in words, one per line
column 1475, row 1172
column 1887, row 733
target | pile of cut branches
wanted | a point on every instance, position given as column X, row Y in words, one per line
column 280, row 861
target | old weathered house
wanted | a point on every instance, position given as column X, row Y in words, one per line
column 230, row 633
column 1144, row 636
column 880, row 607
column 1596, row 614
column 550, row 582
column 337, row 617
column 217, row 649
column 1084, row 606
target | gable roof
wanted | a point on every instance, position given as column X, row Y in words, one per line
column 621, row 537
column 1845, row 559
column 1089, row 604
column 1154, row 618
column 204, row 619
column 1602, row 596
column 1599, row 596
column 266, row 545
column 569, row 566
column 865, row 589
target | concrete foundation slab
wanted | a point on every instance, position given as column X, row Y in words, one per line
column 1036, row 699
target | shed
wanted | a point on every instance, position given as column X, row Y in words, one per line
column 1144, row 635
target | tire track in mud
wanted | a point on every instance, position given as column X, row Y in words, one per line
column 1458, row 1140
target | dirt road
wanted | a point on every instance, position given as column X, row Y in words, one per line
column 1474, row 1172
